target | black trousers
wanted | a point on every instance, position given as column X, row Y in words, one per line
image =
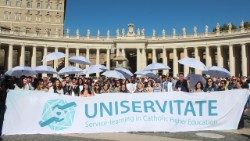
column 2, row 111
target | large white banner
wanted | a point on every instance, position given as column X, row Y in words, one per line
column 32, row 112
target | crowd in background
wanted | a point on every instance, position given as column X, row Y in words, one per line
column 83, row 86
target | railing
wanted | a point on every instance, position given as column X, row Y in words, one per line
column 104, row 38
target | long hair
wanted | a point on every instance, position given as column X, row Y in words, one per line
column 199, row 82
column 97, row 90
column 60, row 85
column 39, row 85
column 89, row 90
column 20, row 82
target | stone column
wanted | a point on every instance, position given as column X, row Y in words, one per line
column 164, row 59
column 87, row 56
column 33, row 57
column 144, row 58
column 77, row 54
column 154, row 59
column 123, row 54
column 97, row 60
column 175, row 62
column 231, row 60
column 56, row 61
column 219, row 57
column 197, row 57
column 97, row 56
column 208, row 57
column 10, row 57
column 45, row 52
column 108, row 59
column 186, row 68
column 244, row 60
column 117, row 54
column 66, row 57
column 138, row 59
column 22, row 55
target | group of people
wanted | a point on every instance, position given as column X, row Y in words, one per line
column 82, row 86
column 86, row 87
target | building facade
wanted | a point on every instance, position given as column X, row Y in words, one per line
column 230, row 49
column 38, row 17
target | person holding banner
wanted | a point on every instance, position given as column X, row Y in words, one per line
column 23, row 84
column 223, row 85
column 181, row 84
column 40, row 86
column 198, row 87
column 6, row 83
column 210, row 86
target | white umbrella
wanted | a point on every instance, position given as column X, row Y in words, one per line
column 70, row 70
column 53, row 56
column 94, row 69
column 45, row 69
column 113, row 74
column 157, row 66
column 147, row 73
column 79, row 60
column 193, row 63
column 21, row 70
column 216, row 71
column 143, row 72
column 194, row 78
column 127, row 73
column 101, row 67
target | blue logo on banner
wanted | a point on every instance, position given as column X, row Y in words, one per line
column 58, row 114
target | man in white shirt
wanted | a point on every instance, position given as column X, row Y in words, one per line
column 167, row 84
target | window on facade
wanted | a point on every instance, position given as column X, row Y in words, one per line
column 49, row 3
column 29, row 4
column 28, row 16
column 47, row 17
column 59, row 5
column 7, row 2
column 38, row 30
column 58, row 18
column 58, row 31
column 18, row 3
column 39, row 4
column 47, row 31
column 17, row 16
column 38, row 16
column 6, row 15
column 27, row 30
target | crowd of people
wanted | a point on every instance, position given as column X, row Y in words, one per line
column 89, row 86
column 83, row 86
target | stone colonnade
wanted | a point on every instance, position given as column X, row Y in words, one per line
column 232, row 56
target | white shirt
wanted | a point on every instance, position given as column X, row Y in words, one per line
column 131, row 87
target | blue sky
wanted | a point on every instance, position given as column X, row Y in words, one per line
column 153, row 14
